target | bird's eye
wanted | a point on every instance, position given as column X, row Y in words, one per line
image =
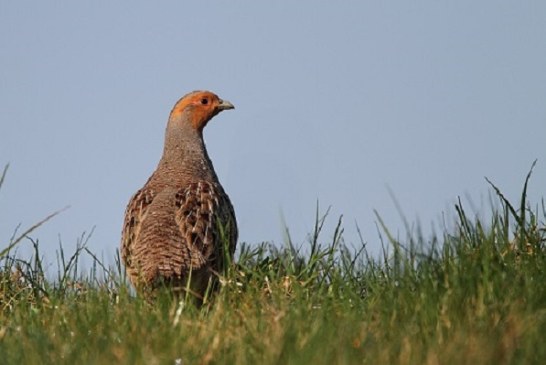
column 204, row 101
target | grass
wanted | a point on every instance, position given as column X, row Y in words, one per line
column 475, row 294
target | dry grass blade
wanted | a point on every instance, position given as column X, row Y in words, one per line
column 18, row 239
column 3, row 175
column 25, row 233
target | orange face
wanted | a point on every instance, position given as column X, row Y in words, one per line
column 200, row 107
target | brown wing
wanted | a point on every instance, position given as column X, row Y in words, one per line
column 134, row 214
column 207, row 223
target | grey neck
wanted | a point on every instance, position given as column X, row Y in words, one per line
column 185, row 154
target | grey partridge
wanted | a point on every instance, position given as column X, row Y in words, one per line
column 180, row 227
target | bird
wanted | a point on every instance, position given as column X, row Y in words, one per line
column 180, row 228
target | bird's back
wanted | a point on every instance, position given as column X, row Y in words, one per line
column 170, row 231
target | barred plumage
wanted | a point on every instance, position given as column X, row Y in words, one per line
column 181, row 220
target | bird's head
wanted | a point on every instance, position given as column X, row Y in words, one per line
column 198, row 107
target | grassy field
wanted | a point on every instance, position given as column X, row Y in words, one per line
column 474, row 295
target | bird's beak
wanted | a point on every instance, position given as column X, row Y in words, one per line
column 225, row 105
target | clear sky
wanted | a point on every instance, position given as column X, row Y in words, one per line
column 336, row 102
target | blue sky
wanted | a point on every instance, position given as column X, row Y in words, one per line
column 334, row 103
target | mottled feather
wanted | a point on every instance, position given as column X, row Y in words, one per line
column 181, row 223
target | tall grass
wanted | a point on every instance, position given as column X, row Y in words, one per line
column 474, row 294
